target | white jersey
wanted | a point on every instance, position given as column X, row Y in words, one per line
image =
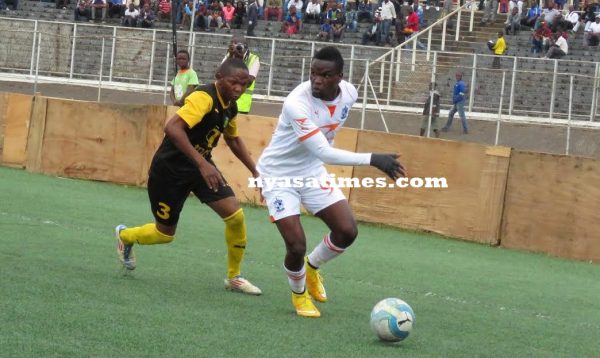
column 302, row 117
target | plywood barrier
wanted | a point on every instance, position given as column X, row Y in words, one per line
column 14, row 123
column 98, row 141
column 551, row 205
column 471, row 206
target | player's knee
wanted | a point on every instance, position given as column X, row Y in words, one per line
column 297, row 249
column 347, row 234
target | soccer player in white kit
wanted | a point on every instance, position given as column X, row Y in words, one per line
column 302, row 142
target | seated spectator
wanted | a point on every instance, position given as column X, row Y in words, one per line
column 558, row 47
column 373, row 33
column 592, row 36
column 201, row 22
column 118, row 8
column 99, row 5
column 351, row 17
column 130, row 16
column 337, row 31
column 513, row 23
column 60, row 4
column 146, row 18
column 365, row 11
column 313, row 11
column 274, row 8
column 83, row 10
column 588, row 17
column 228, row 14
column 533, row 14
column 215, row 21
column 297, row 4
column 325, row 31
column 240, row 12
column 551, row 16
column 164, row 9
column 541, row 36
column 572, row 20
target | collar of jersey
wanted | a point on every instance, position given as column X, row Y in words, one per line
column 225, row 106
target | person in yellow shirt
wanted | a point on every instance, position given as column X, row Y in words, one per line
column 499, row 49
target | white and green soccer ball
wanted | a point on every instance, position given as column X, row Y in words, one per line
column 392, row 319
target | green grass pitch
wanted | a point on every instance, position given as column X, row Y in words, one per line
column 62, row 293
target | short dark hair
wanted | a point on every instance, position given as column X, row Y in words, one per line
column 330, row 53
column 184, row 51
column 231, row 64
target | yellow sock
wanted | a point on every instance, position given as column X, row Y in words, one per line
column 235, row 236
column 145, row 235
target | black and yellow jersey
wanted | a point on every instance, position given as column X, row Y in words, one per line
column 207, row 118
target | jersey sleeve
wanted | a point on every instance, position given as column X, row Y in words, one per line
column 231, row 130
column 318, row 145
column 193, row 79
column 299, row 118
column 196, row 106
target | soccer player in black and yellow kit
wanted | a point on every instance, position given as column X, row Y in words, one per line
column 183, row 164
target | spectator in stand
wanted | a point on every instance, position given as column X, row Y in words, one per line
column 117, row 7
column 240, row 12
column 313, row 11
column 82, row 10
column 412, row 26
column 186, row 15
column 164, row 9
column 558, row 48
column 533, row 14
column 388, row 14
column 215, row 20
column 228, row 14
column 551, row 17
column 99, row 5
column 373, row 33
column 559, row 4
column 490, row 11
column 351, row 17
column 291, row 25
column 588, row 17
column 4, row 7
column 274, row 8
column 503, row 6
column 325, row 31
column 252, row 17
column 338, row 31
column 15, row 4
column 458, row 101
column 365, row 11
column 186, row 80
column 297, row 4
column 146, row 19
column 572, row 20
column 540, row 36
column 130, row 16
column 513, row 23
column 60, row 4
column 592, row 36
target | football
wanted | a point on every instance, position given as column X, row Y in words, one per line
column 392, row 319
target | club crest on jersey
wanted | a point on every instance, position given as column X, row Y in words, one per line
column 344, row 112
column 278, row 204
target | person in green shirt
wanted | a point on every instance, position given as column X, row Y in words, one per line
column 186, row 80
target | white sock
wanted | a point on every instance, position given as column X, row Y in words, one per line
column 325, row 251
column 296, row 279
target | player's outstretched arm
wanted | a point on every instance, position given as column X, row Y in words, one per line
column 175, row 130
column 389, row 164
column 238, row 148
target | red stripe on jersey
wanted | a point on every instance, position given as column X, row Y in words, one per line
column 310, row 134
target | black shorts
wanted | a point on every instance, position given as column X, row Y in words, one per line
column 168, row 190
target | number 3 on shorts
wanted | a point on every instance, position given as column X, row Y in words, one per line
column 163, row 211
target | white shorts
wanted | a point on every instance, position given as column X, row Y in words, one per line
column 284, row 200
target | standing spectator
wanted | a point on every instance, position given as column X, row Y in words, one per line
column 186, row 80
column 313, row 11
column 558, row 48
column 240, row 12
column 147, row 17
column 458, row 101
column 164, row 9
column 274, row 8
column 388, row 14
column 83, row 10
column 490, row 12
column 130, row 16
column 238, row 48
column 186, row 15
column 513, row 22
column 499, row 49
column 435, row 112
column 592, row 36
column 252, row 17
column 412, row 26
column 99, row 5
